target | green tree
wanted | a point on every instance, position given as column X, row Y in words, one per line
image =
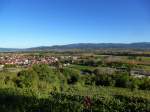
column 44, row 72
column 27, row 78
column 72, row 75
column 48, row 76
column 145, row 84
column 103, row 79
column 122, row 80
column 134, row 84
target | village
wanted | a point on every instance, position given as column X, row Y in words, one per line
column 25, row 60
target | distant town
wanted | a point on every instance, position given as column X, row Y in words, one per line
column 23, row 60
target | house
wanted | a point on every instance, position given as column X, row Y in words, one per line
column 140, row 73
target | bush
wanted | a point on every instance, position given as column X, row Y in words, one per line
column 72, row 75
column 134, row 84
column 45, row 73
column 145, row 84
column 27, row 78
column 103, row 79
column 122, row 80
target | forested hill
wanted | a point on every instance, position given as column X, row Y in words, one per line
column 142, row 45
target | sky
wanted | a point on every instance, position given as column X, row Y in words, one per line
column 31, row 23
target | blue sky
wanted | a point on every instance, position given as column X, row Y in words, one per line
column 29, row 23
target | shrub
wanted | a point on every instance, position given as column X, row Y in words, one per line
column 27, row 78
column 122, row 80
column 72, row 75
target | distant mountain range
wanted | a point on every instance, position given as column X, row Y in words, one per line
column 142, row 45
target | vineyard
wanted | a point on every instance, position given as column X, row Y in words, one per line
column 19, row 101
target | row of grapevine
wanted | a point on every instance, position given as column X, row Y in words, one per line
column 65, row 102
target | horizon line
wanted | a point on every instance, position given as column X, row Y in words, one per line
column 71, row 44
